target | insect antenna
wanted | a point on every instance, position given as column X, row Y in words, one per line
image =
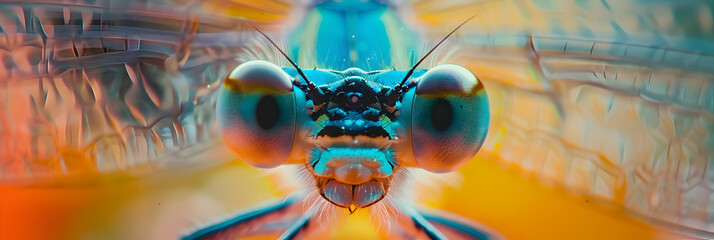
column 315, row 93
column 396, row 91
column 432, row 50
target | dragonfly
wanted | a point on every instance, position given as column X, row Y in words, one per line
column 352, row 130
column 611, row 100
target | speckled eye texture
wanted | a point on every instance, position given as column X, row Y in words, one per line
column 256, row 113
column 450, row 118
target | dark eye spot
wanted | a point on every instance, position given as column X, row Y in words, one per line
column 267, row 112
column 442, row 115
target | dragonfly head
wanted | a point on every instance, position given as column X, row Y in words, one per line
column 352, row 159
column 355, row 137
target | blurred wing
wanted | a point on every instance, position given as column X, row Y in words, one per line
column 611, row 99
column 116, row 86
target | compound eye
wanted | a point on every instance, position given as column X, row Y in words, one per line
column 256, row 113
column 450, row 118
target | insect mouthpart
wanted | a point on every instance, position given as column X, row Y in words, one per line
column 351, row 196
column 352, row 171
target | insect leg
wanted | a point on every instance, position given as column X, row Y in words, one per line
column 421, row 223
column 412, row 225
column 300, row 227
column 455, row 227
column 268, row 219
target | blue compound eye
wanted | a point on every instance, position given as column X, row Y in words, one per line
column 256, row 113
column 450, row 116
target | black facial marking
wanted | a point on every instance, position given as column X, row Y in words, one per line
column 355, row 105
column 354, row 92
column 371, row 114
column 336, row 131
column 336, row 114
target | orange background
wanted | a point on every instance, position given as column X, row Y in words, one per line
column 160, row 206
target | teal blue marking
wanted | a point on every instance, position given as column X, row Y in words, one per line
column 320, row 168
column 385, row 78
column 383, row 158
column 352, row 33
column 360, row 44
column 315, row 154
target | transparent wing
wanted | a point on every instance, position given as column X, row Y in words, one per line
column 106, row 86
column 611, row 99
